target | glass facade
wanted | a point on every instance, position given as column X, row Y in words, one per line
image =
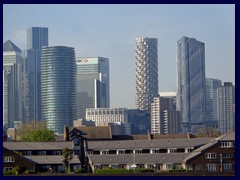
column 191, row 83
column 146, row 65
column 37, row 37
column 58, row 85
column 92, row 84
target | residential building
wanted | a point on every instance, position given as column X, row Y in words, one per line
column 12, row 85
column 226, row 107
column 58, row 85
column 211, row 101
column 170, row 95
column 164, row 117
column 191, row 83
column 92, row 84
column 146, row 67
column 37, row 37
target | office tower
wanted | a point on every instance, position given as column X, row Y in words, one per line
column 170, row 95
column 92, row 84
column 58, row 85
column 146, row 65
column 160, row 115
column 12, row 84
column 37, row 37
column 191, row 83
column 211, row 101
column 226, row 107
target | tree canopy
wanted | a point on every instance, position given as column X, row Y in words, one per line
column 35, row 132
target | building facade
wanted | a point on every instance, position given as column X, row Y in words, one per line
column 226, row 107
column 58, row 85
column 12, row 84
column 37, row 37
column 92, row 84
column 103, row 116
column 146, row 68
column 211, row 99
column 191, row 83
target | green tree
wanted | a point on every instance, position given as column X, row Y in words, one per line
column 35, row 132
column 67, row 157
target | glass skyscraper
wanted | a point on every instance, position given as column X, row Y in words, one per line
column 58, row 85
column 12, row 84
column 92, row 84
column 37, row 37
column 146, row 66
column 191, row 83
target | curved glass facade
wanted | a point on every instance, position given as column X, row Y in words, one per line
column 58, row 87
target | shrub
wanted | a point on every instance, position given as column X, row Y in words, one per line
column 81, row 170
column 113, row 171
column 9, row 172
column 144, row 170
column 30, row 172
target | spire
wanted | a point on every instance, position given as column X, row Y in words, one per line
column 10, row 46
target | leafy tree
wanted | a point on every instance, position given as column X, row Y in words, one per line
column 207, row 132
column 35, row 132
column 67, row 157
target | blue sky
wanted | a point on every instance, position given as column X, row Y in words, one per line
column 110, row 31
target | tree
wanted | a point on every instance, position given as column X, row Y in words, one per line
column 67, row 157
column 35, row 132
column 208, row 132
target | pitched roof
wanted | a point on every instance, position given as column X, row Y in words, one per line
column 159, row 158
column 37, row 145
column 10, row 46
column 51, row 159
column 148, row 144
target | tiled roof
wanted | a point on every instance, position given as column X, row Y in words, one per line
column 147, row 144
column 10, row 46
column 139, row 158
column 37, row 145
column 51, row 159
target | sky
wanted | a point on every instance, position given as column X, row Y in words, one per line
column 108, row 30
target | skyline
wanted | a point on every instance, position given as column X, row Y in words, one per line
column 110, row 31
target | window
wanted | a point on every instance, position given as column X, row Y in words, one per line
column 227, row 167
column 9, row 159
column 227, row 155
column 56, row 152
column 7, row 169
column 211, row 167
column 210, row 156
column 27, row 153
column 227, row 144
column 41, row 153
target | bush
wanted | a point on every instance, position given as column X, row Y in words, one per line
column 81, row 170
column 144, row 170
column 177, row 170
column 9, row 172
column 113, row 171
column 30, row 172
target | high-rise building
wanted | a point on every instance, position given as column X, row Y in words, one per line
column 146, row 63
column 37, row 37
column 191, row 83
column 12, row 84
column 58, row 85
column 162, row 117
column 92, row 84
column 226, row 107
column 211, row 99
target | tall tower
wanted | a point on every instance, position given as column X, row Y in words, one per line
column 226, row 107
column 12, row 84
column 37, row 37
column 146, row 65
column 191, row 83
column 58, row 85
column 92, row 84
column 211, row 98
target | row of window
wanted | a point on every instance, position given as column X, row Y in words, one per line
column 214, row 155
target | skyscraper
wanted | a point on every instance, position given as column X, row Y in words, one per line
column 191, row 83
column 226, row 107
column 211, row 98
column 146, row 63
column 92, row 84
column 58, row 85
column 37, row 37
column 12, row 84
